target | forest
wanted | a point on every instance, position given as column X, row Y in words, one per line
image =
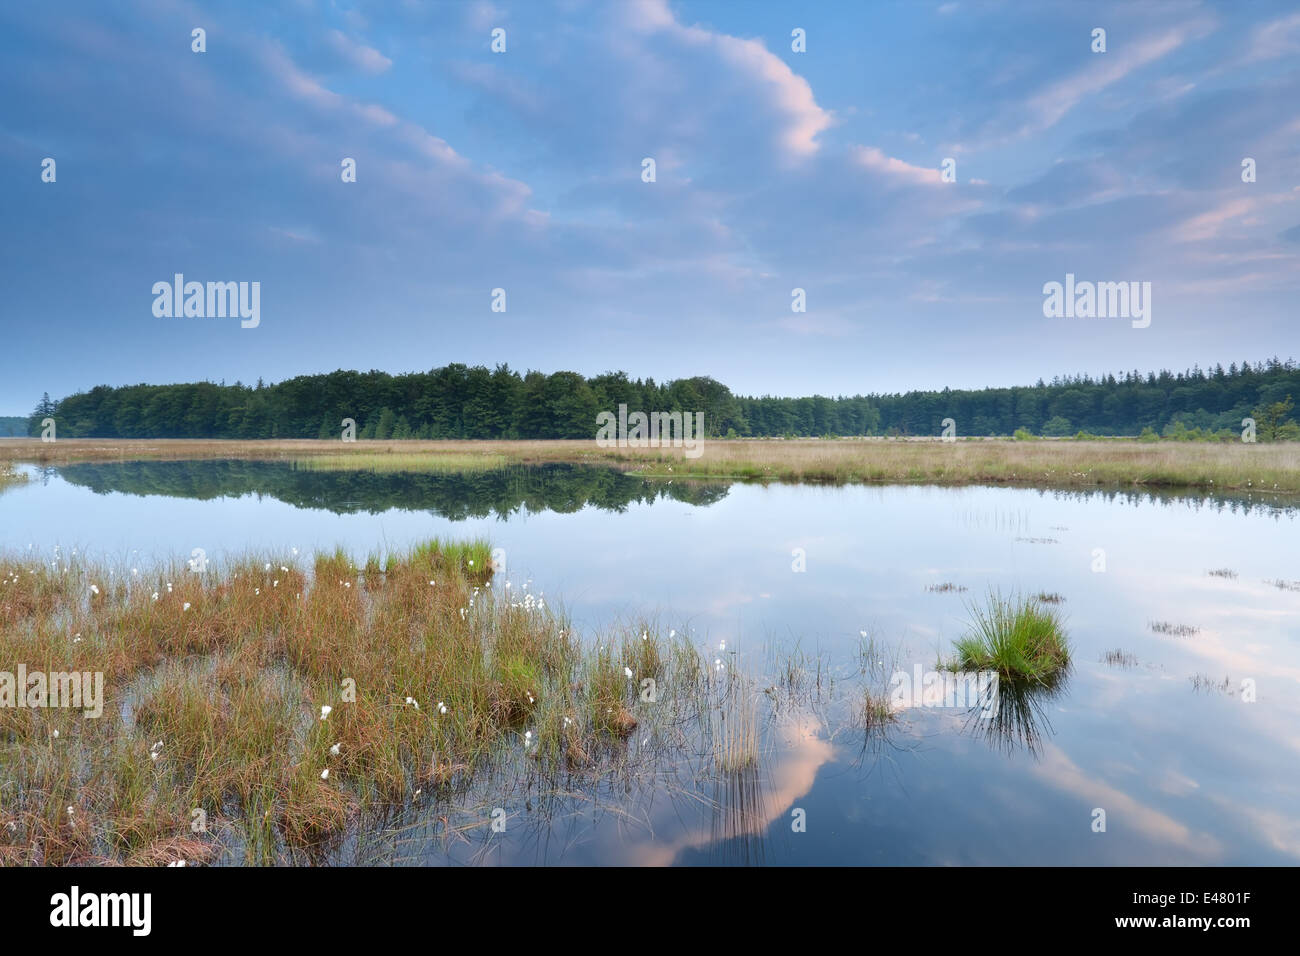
column 473, row 402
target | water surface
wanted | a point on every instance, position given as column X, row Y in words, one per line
column 1187, row 770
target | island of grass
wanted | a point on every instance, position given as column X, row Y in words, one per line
column 1021, row 639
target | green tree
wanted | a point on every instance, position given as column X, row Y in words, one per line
column 1272, row 422
column 1056, row 427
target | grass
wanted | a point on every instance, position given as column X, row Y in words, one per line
column 1282, row 585
column 946, row 587
column 1049, row 597
column 10, row 477
column 737, row 729
column 392, row 461
column 1176, row 630
column 1020, row 639
column 1268, row 467
column 1206, row 683
column 1227, row 573
column 215, row 685
column 1120, row 658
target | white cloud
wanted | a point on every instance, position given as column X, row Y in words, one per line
column 789, row 94
column 358, row 54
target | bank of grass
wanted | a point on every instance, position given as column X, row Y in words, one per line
column 281, row 701
column 1020, row 638
column 1120, row 463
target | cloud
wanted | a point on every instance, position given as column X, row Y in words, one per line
column 1048, row 107
column 787, row 94
column 1276, row 38
column 358, row 54
column 875, row 160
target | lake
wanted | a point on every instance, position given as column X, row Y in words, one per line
column 1179, row 717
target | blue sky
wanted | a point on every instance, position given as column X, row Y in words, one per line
column 521, row 170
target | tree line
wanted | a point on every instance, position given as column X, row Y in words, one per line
column 461, row 401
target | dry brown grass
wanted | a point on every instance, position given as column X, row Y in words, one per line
column 1226, row 466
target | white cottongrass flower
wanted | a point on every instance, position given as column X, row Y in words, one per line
column 413, row 702
column 722, row 646
column 672, row 633
column 432, row 584
column 325, row 711
column 56, row 733
column 325, row 774
column 135, row 570
column 627, row 671
column 268, row 566
column 155, row 595
column 442, row 708
column 177, row 863
column 335, row 749
column 186, row 607
column 94, row 589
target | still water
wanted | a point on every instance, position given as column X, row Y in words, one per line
column 1190, row 743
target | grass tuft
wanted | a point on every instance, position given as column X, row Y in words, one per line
column 1019, row 638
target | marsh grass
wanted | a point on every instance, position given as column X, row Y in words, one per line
column 430, row 671
column 1264, row 467
column 429, row 462
column 9, row 476
column 738, row 726
column 1119, row 658
column 947, row 587
column 1204, row 683
column 1223, row 573
column 877, row 662
column 1174, row 630
column 1020, row 638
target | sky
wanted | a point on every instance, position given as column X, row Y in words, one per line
column 522, row 169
